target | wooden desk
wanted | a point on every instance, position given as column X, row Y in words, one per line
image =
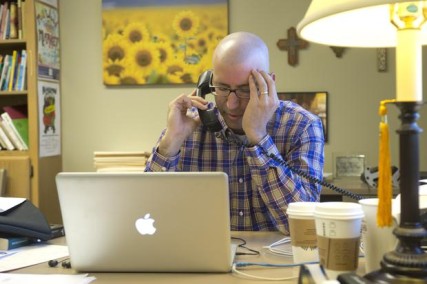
column 255, row 240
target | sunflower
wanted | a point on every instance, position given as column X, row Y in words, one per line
column 186, row 24
column 171, row 68
column 136, row 32
column 114, row 68
column 131, row 76
column 165, row 50
column 114, row 48
column 177, row 71
column 110, row 79
column 144, row 56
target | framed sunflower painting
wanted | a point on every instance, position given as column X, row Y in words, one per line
column 160, row 42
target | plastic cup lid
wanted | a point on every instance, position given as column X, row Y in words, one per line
column 339, row 210
column 301, row 208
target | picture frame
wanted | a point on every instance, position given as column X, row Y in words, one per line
column 160, row 42
column 314, row 102
column 348, row 164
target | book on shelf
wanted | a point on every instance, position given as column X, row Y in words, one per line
column 20, row 30
column 3, row 22
column 17, row 116
column 21, row 76
column 5, row 69
column 8, row 243
column 11, row 134
column 5, row 140
column 12, row 70
column 13, row 21
column 6, row 25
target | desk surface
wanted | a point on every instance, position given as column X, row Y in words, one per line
column 255, row 240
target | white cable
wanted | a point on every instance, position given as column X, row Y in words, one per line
column 272, row 248
column 234, row 269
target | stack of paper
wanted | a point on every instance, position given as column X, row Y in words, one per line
column 120, row 161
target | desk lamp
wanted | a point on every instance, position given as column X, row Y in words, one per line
column 387, row 23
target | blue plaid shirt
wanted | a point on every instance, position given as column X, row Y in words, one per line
column 260, row 187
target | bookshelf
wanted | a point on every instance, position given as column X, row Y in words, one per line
column 31, row 173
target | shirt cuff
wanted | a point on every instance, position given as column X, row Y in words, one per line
column 258, row 155
column 160, row 163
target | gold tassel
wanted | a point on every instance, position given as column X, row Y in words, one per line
column 385, row 192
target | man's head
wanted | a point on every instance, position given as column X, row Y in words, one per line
column 234, row 58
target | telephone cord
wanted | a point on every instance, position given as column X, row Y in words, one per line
column 314, row 179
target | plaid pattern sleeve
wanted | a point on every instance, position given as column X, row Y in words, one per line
column 260, row 187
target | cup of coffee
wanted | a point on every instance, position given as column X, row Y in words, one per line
column 376, row 241
column 338, row 229
column 302, row 229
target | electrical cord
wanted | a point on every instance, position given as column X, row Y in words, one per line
column 271, row 248
column 243, row 245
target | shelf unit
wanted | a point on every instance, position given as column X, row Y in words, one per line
column 28, row 174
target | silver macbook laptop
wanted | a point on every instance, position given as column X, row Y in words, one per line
column 146, row 222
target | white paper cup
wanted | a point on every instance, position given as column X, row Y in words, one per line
column 303, row 231
column 338, row 229
column 376, row 241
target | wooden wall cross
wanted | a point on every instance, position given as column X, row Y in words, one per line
column 292, row 44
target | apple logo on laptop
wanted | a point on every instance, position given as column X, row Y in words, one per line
column 145, row 226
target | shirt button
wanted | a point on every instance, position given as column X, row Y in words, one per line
column 240, row 180
column 241, row 213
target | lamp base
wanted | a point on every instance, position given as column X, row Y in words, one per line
column 408, row 262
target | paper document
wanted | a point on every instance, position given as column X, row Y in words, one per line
column 9, row 202
column 12, row 278
column 31, row 255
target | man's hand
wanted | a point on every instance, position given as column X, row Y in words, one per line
column 180, row 124
column 261, row 106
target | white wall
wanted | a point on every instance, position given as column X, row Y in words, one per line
column 96, row 118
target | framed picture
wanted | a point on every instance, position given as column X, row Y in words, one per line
column 160, row 42
column 315, row 102
column 348, row 165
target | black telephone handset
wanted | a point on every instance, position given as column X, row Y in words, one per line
column 208, row 117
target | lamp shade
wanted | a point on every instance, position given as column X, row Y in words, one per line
column 352, row 23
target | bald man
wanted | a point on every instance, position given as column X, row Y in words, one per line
column 258, row 132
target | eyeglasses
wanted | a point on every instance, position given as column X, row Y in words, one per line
column 221, row 91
